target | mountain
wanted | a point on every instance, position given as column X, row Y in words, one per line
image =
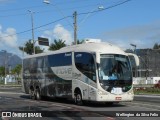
column 10, row 59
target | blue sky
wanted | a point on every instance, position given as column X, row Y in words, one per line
column 136, row 22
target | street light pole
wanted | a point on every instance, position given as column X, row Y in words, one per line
column 75, row 22
column 75, row 19
column 58, row 9
column 32, row 30
column 136, row 75
column 134, row 47
column 75, row 27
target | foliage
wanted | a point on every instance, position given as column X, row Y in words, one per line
column 1, row 82
column 79, row 41
column 156, row 46
column 157, row 85
column 28, row 48
column 149, row 90
column 38, row 50
column 2, row 71
column 17, row 69
column 58, row 44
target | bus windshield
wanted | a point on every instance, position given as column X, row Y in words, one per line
column 115, row 71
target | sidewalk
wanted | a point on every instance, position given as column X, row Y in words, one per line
column 10, row 86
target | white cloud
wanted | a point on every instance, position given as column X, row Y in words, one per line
column 8, row 41
column 59, row 32
column 144, row 36
column 48, row 33
column 8, row 37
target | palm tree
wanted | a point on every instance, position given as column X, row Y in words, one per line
column 2, row 71
column 29, row 48
column 156, row 46
column 58, row 44
column 79, row 41
column 16, row 72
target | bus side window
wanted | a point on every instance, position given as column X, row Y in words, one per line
column 84, row 62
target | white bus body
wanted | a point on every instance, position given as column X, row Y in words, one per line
column 76, row 72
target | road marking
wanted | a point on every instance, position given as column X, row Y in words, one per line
column 33, row 101
column 8, row 98
column 110, row 118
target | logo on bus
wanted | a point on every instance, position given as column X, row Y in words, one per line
column 76, row 75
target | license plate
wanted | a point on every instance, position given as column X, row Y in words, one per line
column 118, row 98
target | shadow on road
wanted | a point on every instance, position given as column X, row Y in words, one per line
column 25, row 96
column 71, row 102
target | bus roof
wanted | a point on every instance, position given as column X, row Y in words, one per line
column 102, row 48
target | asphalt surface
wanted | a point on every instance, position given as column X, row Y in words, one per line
column 13, row 99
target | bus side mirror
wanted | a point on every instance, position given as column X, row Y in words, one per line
column 134, row 59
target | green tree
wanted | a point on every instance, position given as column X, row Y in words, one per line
column 17, row 69
column 16, row 72
column 58, row 44
column 28, row 48
column 79, row 41
column 156, row 46
column 2, row 71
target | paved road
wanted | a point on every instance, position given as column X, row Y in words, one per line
column 148, row 98
column 18, row 101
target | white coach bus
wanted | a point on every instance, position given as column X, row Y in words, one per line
column 92, row 71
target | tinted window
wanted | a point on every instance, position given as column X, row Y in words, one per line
column 85, row 63
column 62, row 59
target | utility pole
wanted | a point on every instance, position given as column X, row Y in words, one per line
column 136, row 74
column 32, row 30
column 75, row 27
column 5, row 66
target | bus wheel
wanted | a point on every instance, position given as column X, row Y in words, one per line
column 37, row 94
column 78, row 99
column 32, row 95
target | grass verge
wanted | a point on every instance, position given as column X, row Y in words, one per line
column 147, row 91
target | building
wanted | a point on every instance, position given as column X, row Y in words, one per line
column 149, row 62
column 149, row 70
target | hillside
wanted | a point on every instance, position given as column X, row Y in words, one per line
column 10, row 59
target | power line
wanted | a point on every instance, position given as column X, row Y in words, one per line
column 22, row 14
column 105, row 8
column 29, row 7
column 68, row 17
column 37, row 27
